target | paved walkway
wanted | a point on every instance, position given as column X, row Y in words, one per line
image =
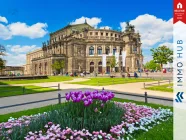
column 130, row 87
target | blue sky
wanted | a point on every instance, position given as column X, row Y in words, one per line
column 24, row 25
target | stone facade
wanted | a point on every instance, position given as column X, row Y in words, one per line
column 81, row 47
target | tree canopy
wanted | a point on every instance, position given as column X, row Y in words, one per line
column 152, row 65
column 162, row 55
column 2, row 52
column 2, row 49
column 113, row 62
column 2, row 63
column 58, row 65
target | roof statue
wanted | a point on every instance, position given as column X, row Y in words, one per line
column 129, row 27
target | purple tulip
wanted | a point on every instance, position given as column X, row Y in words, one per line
column 86, row 103
column 67, row 97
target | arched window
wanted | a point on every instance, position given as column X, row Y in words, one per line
column 99, row 50
column 91, row 67
column 91, row 63
column 45, row 65
column 91, row 50
column 107, row 50
column 40, row 68
column 114, row 50
column 35, row 69
column 100, row 67
column 120, row 51
column 138, row 63
column 45, row 68
column 100, row 63
column 134, row 49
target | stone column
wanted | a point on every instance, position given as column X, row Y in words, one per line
column 87, row 66
column 95, row 50
column 111, row 49
column 87, row 50
column 118, row 49
column 103, row 49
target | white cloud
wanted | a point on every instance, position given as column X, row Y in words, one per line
column 37, row 30
column 168, row 44
column 3, row 19
column 23, row 49
column 94, row 21
column 152, row 29
column 4, row 32
column 105, row 27
column 22, row 29
column 16, row 54
column 15, row 59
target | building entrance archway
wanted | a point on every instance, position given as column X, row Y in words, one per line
column 100, row 67
column 91, row 67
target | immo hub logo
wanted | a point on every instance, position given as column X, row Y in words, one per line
column 179, row 97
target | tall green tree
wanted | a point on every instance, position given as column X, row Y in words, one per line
column 152, row 65
column 58, row 65
column 2, row 50
column 162, row 55
column 2, row 62
column 113, row 62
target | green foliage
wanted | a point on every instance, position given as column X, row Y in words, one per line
column 5, row 117
column 2, row 64
column 162, row 55
column 113, row 62
column 152, row 65
column 2, row 49
column 58, row 65
column 75, row 116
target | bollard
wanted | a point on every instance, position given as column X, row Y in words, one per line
column 103, row 88
column 58, row 86
column 146, row 97
column 144, row 85
column 23, row 90
column 59, row 98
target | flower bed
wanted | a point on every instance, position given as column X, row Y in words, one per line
column 88, row 115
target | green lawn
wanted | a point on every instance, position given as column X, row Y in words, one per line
column 18, row 90
column 163, row 131
column 110, row 81
column 50, row 79
column 164, row 88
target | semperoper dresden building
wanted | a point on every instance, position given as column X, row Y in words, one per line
column 82, row 46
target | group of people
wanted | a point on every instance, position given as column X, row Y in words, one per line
column 75, row 74
column 135, row 75
column 95, row 74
